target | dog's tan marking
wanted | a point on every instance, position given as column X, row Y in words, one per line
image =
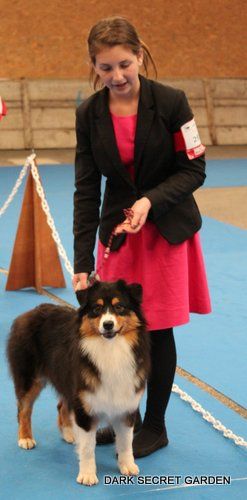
column 141, row 380
column 85, row 405
column 90, row 327
column 129, row 325
column 64, row 421
column 87, row 408
column 140, row 392
column 129, row 419
column 142, row 374
column 100, row 302
column 131, row 337
column 90, row 379
column 115, row 301
column 25, row 406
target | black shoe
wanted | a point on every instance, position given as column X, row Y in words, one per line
column 148, row 441
column 106, row 435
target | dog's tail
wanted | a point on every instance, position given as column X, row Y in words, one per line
column 22, row 349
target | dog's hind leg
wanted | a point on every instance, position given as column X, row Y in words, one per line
column 123, row 428
column 25, row 406
column 64, row 422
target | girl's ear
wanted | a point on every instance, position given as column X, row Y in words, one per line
column 92, row 66
column 140, row 56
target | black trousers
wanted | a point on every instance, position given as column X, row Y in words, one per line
column 159, row 386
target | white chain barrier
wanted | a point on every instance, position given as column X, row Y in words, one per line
column 30, row 161
column 207, row 416
column 15, row 188
column 50, row 220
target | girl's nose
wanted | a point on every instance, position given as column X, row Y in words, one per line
column 117, row 75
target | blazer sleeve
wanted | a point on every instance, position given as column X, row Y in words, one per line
column 87, row 198
column 188, row 174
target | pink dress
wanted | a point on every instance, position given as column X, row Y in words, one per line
column 173, row 277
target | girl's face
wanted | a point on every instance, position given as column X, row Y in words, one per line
column 118, row 69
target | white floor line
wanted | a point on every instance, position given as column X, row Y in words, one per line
column 153, row 490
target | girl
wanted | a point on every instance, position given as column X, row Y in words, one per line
column 142, row 137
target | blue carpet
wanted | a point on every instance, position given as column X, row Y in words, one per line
column 211, row 347
column 50, row 469
column 226, row 173
column 220, row 334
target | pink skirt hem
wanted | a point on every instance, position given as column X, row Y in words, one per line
column 173, row 277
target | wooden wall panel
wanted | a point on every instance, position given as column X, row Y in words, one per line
column 41, row 113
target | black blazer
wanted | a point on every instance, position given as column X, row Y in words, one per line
column 167, row 178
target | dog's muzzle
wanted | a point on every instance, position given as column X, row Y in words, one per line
column 109, row 331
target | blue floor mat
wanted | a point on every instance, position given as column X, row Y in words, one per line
column 211, row 347
column 219, row 335
column 226, row 173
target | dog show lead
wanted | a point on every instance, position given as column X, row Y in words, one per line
column 141, row 135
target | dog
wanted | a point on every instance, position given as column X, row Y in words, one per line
column 96, row 357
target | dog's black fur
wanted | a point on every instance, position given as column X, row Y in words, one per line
column 46, row 344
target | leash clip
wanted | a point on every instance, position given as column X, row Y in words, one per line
column 92, row 278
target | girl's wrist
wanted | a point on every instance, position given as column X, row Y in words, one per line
column 147, row 201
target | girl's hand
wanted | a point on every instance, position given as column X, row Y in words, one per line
column 79, row 281
column 140, row 211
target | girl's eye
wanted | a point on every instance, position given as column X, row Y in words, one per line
column 125, row 65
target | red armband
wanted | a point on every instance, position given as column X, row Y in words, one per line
column 3, row 108
column 188, row 139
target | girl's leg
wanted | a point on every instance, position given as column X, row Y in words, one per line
column 153, row 436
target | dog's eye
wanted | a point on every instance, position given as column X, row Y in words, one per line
column 97, row 309
column 119, row 308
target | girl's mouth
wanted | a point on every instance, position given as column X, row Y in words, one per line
column 120, row 86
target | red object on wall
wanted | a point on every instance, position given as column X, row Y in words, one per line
column 3, row 108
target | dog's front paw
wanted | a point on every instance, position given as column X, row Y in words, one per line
column 68, row 435
column 27, row 443
column 87, row 478
column 128, row 468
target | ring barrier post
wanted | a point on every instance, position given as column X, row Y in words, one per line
column 35, row 261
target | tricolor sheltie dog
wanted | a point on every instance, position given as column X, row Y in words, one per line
column 97, row 359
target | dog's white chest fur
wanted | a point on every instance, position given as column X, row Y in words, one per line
column 115, row 361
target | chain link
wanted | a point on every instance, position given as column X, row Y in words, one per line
column 15, row 188
column 30, row 161
column 238, row 440
column 50, row 220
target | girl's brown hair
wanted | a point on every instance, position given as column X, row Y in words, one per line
column 116, row 31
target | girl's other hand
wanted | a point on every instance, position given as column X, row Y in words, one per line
column 140, row 211
column 79, row 281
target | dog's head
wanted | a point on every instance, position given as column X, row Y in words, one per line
column 110, row 309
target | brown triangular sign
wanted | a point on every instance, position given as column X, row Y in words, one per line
column 35, row 261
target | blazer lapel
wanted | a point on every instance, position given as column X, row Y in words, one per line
column 145, row 115
column 106, row 132
column 144, row 120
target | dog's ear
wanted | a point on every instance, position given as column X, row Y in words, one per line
column 82, row 297
column 135, row 291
